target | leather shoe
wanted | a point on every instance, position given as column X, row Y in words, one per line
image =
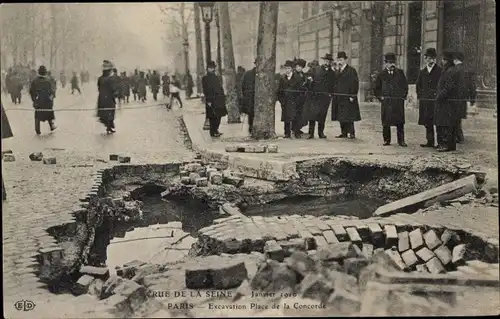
column 386, row 143
column 351, row 136
column 427, row 145
column 310, row 137
column 322, row 135
column 403, row 144
column 341, row 136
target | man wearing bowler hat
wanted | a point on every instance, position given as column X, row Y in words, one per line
column 345, row 106
column 391, row 89
column 215, row 99
column 288, row 95
column 426, row 88
column 323, row 79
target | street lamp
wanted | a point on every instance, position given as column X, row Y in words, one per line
column 207, row 14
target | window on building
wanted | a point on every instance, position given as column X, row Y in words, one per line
column 314, row 8
column 305, row 10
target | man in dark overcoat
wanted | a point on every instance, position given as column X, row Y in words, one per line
column 125, row 87
column 135, row 83
column 106, row 103
column 215, row 99
column 74, row 84
column 6, row 133
column 300, row 64
column 142, row 87
column 165, row 85
column 288, row 95
column 448, row 109
column 248, row 95
column 42, row 94
column 426, row 88
column 155, row 83
column 320, row 96
column 345, row 105
column 15, row 86
column 391, row 89
column 468, row 93
column 189, row 85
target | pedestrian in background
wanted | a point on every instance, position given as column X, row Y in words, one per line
column 74, row 84
column 391, row 89
column 6, row 133
column 289, row 92
column 106, row 99
column 215, row 99
column 42, row 94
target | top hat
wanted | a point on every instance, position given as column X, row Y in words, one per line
column 448, row 56
column 458, row 55
column 289, row 63
column 431, row 53
column 106, row 65
column 390, row 57
column 328, row 57
column 42, row 70
column 301, row 62
column 341, row 55
column 211, row 65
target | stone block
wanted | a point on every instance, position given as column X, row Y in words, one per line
column 97, row 272
column 193, row 177
column 82, row 285
column 308, row 239
column 422, row 268
column 416, row 239
column 444, row 254
column 403, row 241
column 274, row 251
column 272, row 148
column 295, row 244
column 50, row 161
column 229, row 275
column 145, row 270
column 458, row 254
column 367, row 251
column 435, row 266
column 185, row 180
column 353, row 266
column 9, row 158
column 198, row 277
column 330, row 237
column 314, row 286
column 353, row 235
column 210, row 170
column 301, row 263
column 432, row 241
column 339, row 231
column 183, row 173
column 110, row 285
column 409, row 258
column 113, row 157
column 376, row 234
column 391, row 235
column 425, row 254
column 231, row 148
column 233, row 180
column 344, row 250
column 450, row 238
column 202, row 182
column 314, row 230
column 193, row 167
column 320, row 242
column 95, row 287
column 364, row 232
column 36, row 157
column 257, row 149
column 216, row 178
column 124, row 159
column 396, row 259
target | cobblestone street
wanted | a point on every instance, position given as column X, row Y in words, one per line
column 40, row 196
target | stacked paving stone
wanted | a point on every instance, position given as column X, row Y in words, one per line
column 411, row 248
column 120, row 158
column 246, row 148
column 202, row 175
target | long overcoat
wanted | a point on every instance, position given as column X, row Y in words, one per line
column 392, row 91
column 248, row 92
column 426, row 87
column 465, row 89
column 165, row 85
column 346, row 87
column 6, row 130
column 214, row 94
column 141, row 87
column 302, row 98
column 289, row 92
column 319, row 95
column 42, row 94
column 447, row 111
column 155, row 82
column 106, row 99
column 125, row 86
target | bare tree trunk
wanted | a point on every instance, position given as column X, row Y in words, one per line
column 229, row 68
column 33, row 34
column 200, row 66
column 54, row 35
column 265, row 91
column 185, row 37
column 219, row 54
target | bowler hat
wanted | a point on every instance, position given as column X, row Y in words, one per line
column 328, row 57
column 448, row 56
column 107, row 65
column 301, row 62
column 430, row 52
column 390, row 57
column 458, row 55
column 289, row 63
column 341, row 55
column 211, row 65
column 42, row 70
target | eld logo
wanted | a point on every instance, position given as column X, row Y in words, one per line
column 25, row 305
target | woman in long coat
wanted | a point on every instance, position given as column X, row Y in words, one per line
column 289, row 92
column 42, row 92
column 106, row 100
column 6, row 133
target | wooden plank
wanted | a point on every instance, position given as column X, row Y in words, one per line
column 444, row 192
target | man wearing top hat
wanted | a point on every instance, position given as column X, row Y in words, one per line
column 391, row 89
column 42, row 94
column 426, row 88
column 345, row 106
column 248, row 95
column 288, row 95
column 467, row 91
column 321, row 90
column 448, row 109
column 215, row 99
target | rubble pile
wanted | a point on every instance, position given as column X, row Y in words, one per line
column 124, row 208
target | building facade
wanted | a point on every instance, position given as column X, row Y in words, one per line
column 366, row 30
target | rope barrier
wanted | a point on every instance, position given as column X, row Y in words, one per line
column 118, row 108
